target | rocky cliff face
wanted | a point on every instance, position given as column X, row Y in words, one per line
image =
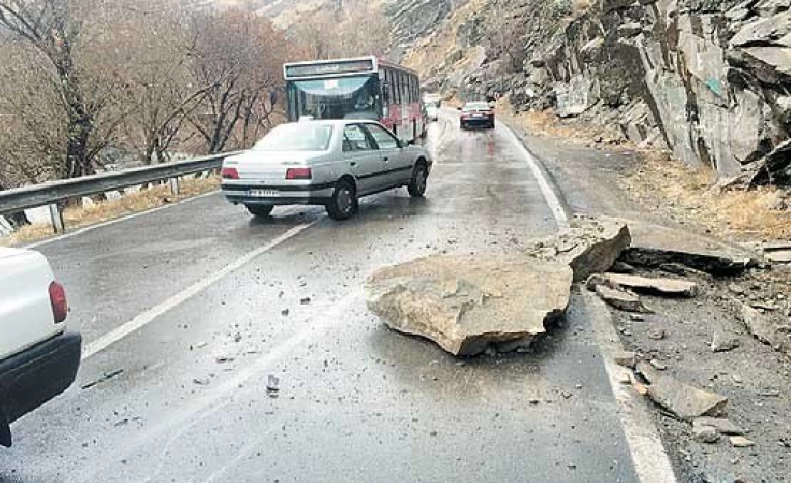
column 709, row 79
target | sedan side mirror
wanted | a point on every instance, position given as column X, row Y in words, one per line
column 411, row 142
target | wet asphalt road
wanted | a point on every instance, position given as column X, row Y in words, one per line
column 357, row 402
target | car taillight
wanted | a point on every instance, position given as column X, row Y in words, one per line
column 57, row 297
column 229, row 173
column 298, row 173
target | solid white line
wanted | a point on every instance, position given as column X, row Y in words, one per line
column 650, row 459
column 129, row 216
column 175, row 300
column 561, row 218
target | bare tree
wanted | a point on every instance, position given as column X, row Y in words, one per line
column 237, row 57
column 52, row 30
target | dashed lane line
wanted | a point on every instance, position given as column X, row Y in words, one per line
column 179, row 298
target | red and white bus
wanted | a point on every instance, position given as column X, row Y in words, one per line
column 359, row 88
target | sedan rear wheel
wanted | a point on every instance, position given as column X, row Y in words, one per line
column 343, row 204
column 417, row 185
column 261, row 211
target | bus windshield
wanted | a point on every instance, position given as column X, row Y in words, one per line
column 355, row 97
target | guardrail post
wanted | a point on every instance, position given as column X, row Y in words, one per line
column 57, row 218
column 175, row 186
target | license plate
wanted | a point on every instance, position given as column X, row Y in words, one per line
column 477, row 115
column 264, row 193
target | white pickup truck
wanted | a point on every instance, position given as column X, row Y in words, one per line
column 39, row 355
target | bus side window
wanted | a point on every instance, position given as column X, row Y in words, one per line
column 396, row 87
column 404, row 87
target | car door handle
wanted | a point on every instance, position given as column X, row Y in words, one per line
column 385, row 159
column 353, row 164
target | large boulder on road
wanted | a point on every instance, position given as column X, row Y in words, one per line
column 468, row 303
column 588, row 246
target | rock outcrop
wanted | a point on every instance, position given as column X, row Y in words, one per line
column 707, row 80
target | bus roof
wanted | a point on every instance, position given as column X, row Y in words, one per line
column 336, row 67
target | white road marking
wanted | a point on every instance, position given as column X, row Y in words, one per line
column 551, row 198
column 651, row 462
column 174, row 301
column 80, row 231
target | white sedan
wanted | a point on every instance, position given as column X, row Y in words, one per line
column 329, row 163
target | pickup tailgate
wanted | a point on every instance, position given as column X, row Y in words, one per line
column 25, row 309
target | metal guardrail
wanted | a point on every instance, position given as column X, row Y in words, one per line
column 50, row 193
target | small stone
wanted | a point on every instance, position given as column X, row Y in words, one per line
column 737, row 289
column 565, row 394
column 624, row 379
column 622, row 267
column 201, row 381
column 433, row 434
column 723, row 425
column 705, row 434
column 657, row 365
column 656, row 334
column 620, row 300
column 304, row 301
column 641, row 389
column 626, row 359
column 736, row 378
column 722, row 342
column 636, row 317
column 284, row 312
column 741, row 442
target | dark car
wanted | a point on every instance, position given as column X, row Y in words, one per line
column 476, row 114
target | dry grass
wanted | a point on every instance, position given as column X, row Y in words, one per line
column 547, row 124
column 687, row 194
column 79, row 216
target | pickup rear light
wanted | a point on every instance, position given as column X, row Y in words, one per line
column 229, row 173
column 57, row 297
column 298, row 173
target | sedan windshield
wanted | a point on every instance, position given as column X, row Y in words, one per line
column 299, row 136
column 476, row 106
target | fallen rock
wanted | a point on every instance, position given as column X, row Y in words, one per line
column 722, row 342
column 779, row 256
column 682, row 400
column 715, row 263
column 741, row 442
column 760, row 326
column 589, row 246
column 656, row 364
column 626, row 359
column 620, row 300
column 705, row 434
column 652, row 285
column 656, row 334
column 722, row 425
column 621, row 267
column 467, row 303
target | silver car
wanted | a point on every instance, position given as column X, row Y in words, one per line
column 330, row 163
